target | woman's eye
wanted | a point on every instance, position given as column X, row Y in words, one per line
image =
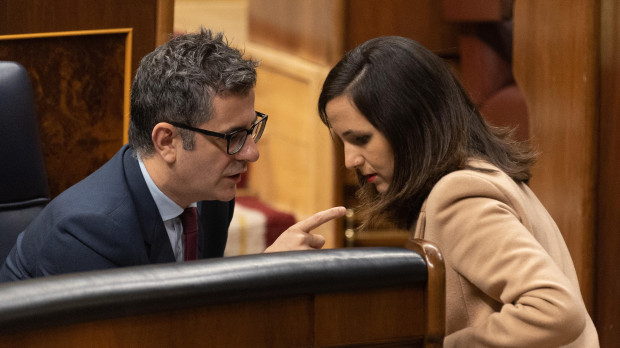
column 362, row 140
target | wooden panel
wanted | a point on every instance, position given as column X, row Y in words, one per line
column 296, row 152
column 477, row 10
column 164, row 22
column 391, row 317
column 228, row 16
column 420, row 20
column 273, row 323
column 607, row 305
column 435, row 286
column 555, row 65
column 80, row 82
column 322, row 30
column 483, row 71
column 309, row 29
column 368, row 317
column 378, row 237
column 151, row 20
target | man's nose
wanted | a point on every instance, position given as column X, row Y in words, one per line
column 249, row 152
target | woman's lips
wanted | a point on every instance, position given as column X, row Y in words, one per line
column 370, row 178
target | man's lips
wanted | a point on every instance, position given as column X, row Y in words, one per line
column 237, row 176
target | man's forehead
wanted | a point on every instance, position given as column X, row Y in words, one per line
column 232, row 111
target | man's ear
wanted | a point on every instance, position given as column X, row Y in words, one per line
column 163, row 136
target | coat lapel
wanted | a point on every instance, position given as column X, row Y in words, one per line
column 153, row 231
column 214, row 221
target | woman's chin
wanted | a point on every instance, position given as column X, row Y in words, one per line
column 381, row 188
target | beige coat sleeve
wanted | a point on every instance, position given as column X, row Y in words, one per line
column 486, row 245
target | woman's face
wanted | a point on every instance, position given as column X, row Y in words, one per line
column 365, row 148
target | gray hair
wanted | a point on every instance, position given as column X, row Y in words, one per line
column 178, row 81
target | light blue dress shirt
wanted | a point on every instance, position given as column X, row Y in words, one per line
column 169, row 212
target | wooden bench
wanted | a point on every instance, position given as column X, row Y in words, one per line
column 379, row 297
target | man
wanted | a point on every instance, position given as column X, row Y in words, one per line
column 193, row 130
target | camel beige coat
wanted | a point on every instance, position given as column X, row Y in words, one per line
column 510, row 280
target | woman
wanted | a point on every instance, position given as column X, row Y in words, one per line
column 428, row 162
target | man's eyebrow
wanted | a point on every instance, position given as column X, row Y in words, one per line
column 238, row 128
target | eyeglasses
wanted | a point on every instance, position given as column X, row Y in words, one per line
column 234, row 140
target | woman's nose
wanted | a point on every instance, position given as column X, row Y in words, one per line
column 352, row 159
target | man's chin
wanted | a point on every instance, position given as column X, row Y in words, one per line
column 227, row 195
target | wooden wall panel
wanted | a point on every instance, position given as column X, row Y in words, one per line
column 151, row 20
column 477, row 10
column 80, row 82
column 309, row 29
column 230, row 17
column 607, row 303
column 386, row 317
column 164, row 22
column 285, row 322
column 322, row 30
column 420, row 20
column 556, row 67
column 151, row 23
column 351, row 325
column 294, row 172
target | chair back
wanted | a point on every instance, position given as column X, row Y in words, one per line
column 23, row 183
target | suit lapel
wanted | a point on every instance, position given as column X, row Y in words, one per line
column 214, row 221
column 153, row 231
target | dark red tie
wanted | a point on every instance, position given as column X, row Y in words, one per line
column 189, row 219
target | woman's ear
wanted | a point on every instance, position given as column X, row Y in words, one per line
column 163, row 136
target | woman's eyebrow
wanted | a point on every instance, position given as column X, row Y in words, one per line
column 353, row 132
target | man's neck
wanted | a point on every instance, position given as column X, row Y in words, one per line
column 160, row 174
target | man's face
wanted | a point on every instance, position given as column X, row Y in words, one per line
column 207, row 172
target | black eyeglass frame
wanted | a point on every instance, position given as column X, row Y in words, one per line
column 262, row 119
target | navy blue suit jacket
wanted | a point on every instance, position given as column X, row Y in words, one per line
column 107, row 220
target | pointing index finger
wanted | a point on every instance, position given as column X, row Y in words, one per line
column 320, row 218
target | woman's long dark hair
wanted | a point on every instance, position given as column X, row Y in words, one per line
column 410, row 95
